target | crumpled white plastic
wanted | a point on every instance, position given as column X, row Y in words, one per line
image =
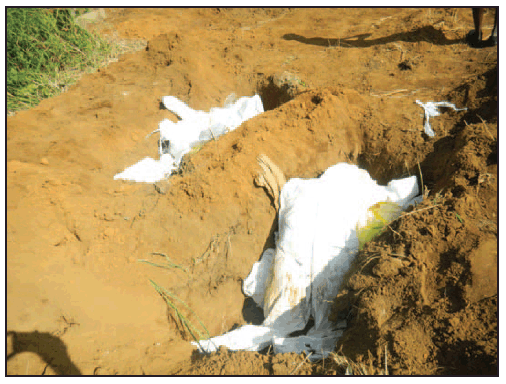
column 148, row 170
column 195, row 127
column 431, row 110
column 315, row 245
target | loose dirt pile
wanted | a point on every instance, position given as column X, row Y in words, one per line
column 338, row 85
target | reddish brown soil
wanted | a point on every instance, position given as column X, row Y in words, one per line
column 424, row 292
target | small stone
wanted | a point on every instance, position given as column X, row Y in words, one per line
column 44, row 161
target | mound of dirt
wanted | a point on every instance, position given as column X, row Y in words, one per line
column 422, row 296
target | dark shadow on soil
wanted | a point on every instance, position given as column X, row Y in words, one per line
column 427, row 33
column 467, row 357
column 482, row 97
column 50, row 348
column 251, row 312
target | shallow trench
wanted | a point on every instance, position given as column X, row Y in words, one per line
column 399, row 156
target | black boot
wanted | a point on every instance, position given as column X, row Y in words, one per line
column 474, row 39
column 491, row 41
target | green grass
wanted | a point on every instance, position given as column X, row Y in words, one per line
column 170, row 299
column 168, row 263
column 46, row 52
column 188, row 326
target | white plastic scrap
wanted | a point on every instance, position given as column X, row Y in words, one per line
column 148, row 170
column 316, row 243
column 431, row 110
column 195, row 127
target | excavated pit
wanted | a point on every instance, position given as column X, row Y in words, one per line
column 433, row 290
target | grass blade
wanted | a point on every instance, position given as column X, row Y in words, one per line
column 166, row 295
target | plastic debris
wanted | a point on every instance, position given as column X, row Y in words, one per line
column 431, row 110
column 316, row 243
column 148, row 170
column 194, row 128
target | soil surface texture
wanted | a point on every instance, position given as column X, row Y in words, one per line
column 338, row 85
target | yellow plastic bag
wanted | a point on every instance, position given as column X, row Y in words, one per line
column 381, row 215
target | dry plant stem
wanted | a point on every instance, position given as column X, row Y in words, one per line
column 394, row 231
column 420, row 210
column 368, row 261
column 421, row 178
column 486, row 128
column 390, row 93
column 386, row 358
column 300, row 364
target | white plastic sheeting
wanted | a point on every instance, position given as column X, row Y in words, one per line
column 195, row 127
column 431, row 110
column 315, row 245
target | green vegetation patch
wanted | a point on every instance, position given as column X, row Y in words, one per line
column 43, row 47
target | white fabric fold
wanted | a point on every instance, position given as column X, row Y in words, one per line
column 195, row 127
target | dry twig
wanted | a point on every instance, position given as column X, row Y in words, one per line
column 485, row 126
column 300, row 365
